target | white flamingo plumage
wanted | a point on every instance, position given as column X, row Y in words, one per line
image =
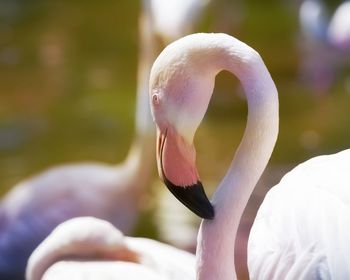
column 300, row 231
column 89, row 248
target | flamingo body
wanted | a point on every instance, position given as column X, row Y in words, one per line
column 86, row 247
column 300, row 231
column 90, row 270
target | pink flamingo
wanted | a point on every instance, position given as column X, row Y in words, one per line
column 300, row 231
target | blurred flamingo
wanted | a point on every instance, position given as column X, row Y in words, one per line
column 339, row 27
column 173, row 19
column 34, row 207
column 89, row 248
column 316, row 23
column 326, row 42
column 300, row 231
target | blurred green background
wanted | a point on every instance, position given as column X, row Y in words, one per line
column 68, row 86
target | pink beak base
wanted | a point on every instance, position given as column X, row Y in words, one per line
column 176, row 166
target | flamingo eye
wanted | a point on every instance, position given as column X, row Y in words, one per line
column 155, row 99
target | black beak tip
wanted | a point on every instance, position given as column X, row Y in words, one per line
column 194, row 198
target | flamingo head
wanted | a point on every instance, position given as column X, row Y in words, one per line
column 178, row 107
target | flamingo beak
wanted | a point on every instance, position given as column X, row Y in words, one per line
column 176, row 166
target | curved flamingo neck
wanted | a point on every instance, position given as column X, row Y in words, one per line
column 216, row 239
